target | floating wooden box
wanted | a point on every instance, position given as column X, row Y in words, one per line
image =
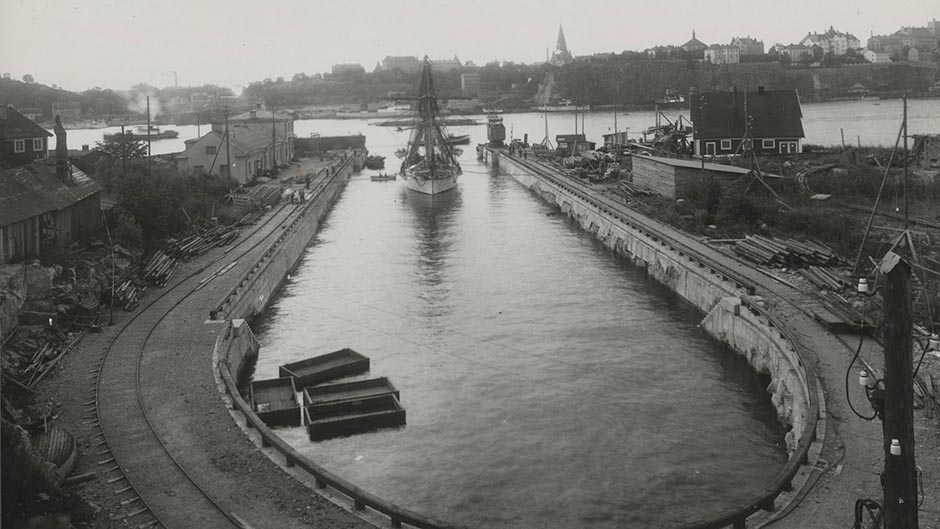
column 335, row 419
column 357, row 390
column 324, row 368
column 275, row 401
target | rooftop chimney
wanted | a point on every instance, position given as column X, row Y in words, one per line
column 760, row 90
column 61, row 152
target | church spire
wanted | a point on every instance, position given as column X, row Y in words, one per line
column 561, row 55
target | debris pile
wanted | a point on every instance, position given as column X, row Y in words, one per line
column 31, row 354
column 789, row 253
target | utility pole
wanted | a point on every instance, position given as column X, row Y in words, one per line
column 900, row 477
column 149, row 160
column 228, row 145
column 273, row 142
column 906, row 158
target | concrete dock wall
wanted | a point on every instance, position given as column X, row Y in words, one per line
column 752, row 336
column 266, row 276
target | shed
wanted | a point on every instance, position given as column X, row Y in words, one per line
column 39, row 210
column 672, row 177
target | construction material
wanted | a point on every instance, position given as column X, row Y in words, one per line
column 790, row 253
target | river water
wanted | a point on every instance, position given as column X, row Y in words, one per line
column 547, row 383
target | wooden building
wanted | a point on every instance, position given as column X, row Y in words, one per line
column 21, row 139
column 672, row 177
column 771, row 121
column 40, row 211
column 573, row 143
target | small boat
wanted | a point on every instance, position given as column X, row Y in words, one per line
column 324, row 368
column 275, row 401
column 462, row 139
column 400, row 153
column 348, row 417
column 375, row 162
column 357, row 390
column 141, row 133
column 382, row 177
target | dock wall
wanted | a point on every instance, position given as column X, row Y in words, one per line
column 766, row 348
column 254, row 291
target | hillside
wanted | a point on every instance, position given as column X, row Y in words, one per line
column 95, row 102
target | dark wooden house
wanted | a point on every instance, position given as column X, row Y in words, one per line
column 21, row 140
column 41, row 211
column 771, row 121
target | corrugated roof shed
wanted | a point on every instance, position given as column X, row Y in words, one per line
column 773, row 113
column 16, row 126
column 35, row 189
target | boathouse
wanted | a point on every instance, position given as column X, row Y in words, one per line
column 41, row 211
column 673, row 177
column 771, row 121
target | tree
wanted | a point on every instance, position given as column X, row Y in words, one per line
column 28, row 78
column 125, row 146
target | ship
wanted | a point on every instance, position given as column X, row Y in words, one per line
column 671, row 99
column 430, row 165
column 461, row 139
column 375, row 162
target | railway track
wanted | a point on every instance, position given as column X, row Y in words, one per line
column 153, row 489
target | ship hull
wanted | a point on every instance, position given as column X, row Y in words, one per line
column 431, row 186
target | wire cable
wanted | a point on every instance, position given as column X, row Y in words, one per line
column 848, row 370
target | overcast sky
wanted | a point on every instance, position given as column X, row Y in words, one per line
column 118, row 43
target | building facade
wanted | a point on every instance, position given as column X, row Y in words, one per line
column 795, row 52
column 347, row 69
column 876, row 57
column 748, row 47
column 43, row 210
column 404, row 64
column 694, row 45
column 470, row 84
column 765, row 121
column 561, row 55
column 21, row 139
column 832, row 41
column 722, row 54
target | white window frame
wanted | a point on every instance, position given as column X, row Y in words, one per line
column 37, row 144
column 710, row 146
column 767, row 144
column 19, row 146
column 726, row 145
column 214, row 148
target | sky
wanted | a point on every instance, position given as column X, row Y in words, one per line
column 119, row 43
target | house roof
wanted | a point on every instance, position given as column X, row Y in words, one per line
column 693, row 43
column 243, row 140
column 773, row 114
column 695, row 164
column 35, row 189
column 16, row 126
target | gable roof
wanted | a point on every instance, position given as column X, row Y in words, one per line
column 243, row 140
column 35, row 189
column 16, row 126
column 259, row 115
column 773, row 114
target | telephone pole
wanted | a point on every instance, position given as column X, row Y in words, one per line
column 900, row 477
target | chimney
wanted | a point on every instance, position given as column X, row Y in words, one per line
column 760, row 90
column 61, row 152
column 253, row 114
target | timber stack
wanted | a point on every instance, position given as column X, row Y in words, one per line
column 789, row 253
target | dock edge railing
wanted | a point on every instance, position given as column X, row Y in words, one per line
column 323, row 478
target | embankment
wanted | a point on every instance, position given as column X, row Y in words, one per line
column 732, row 315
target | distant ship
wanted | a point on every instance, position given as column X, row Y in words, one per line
column 495, row 130
column 672, row 99
column 429, row 165
column 564, row 106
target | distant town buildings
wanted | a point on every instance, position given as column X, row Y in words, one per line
column 876, row 57
column 832, row 41
column 470, row 84
column 926, row 38
column 694, row 45
column 404, row 64
column 795, row 52
column 723, row 54
column 348, row 69
column 445, row 65
column 68, row 110
column 561, row 55
column 747, row 46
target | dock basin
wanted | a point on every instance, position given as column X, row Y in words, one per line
column 275, row 401
column 357, row 390
column 335, row 419
column 324, row 368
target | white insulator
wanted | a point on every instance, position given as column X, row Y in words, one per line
column 862, row 285
column 895, row 447
column 863, row 379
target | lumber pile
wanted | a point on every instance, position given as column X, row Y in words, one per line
column 199, row 243
column 789, row 253
column 159, row 268
column 824, row 280
column 127, row 294
column 846, row 316
column 45, row 359
column 636, row 189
